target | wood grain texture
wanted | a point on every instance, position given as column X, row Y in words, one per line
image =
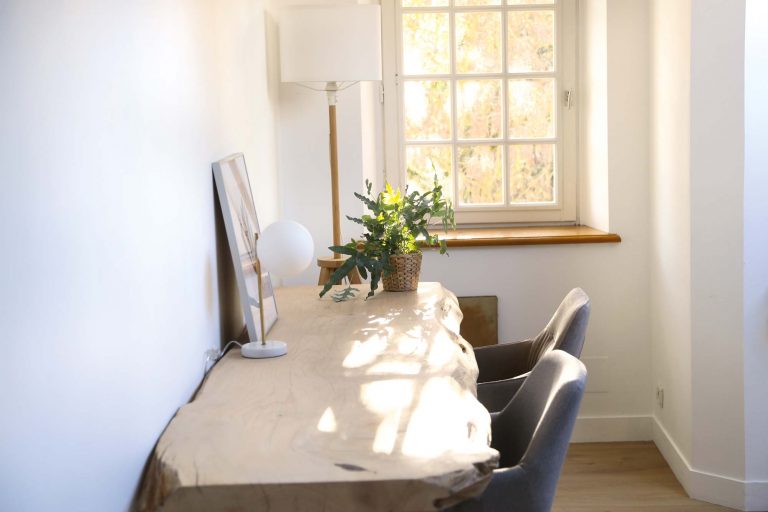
column 622, row 477
column 373, row 408
column 334, row 177
column 535, row 235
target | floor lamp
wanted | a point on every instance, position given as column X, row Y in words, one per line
column 329, row 48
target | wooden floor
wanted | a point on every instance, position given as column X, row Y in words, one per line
column 601, row 477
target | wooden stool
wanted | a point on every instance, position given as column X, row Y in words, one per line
column 328, row 266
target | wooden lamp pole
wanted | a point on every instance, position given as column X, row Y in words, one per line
column 331, row 90
column 329, row 265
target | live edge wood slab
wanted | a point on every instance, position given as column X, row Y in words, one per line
column 373, row 408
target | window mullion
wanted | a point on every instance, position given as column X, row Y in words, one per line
column 454, row 108
column 505, row 112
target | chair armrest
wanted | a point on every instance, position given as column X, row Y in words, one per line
column 503, row 361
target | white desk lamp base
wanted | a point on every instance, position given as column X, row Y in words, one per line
column 258, row 350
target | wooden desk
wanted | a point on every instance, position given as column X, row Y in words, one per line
column 373, row 408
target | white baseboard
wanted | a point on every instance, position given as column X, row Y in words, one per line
column 701, row 485
column 612, row 429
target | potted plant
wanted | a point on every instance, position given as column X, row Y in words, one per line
column 389, row 250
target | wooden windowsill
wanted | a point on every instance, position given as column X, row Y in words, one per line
column 531, row 235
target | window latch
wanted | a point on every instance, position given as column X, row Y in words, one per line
column 567, row 98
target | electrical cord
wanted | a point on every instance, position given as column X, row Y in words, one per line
column 212, row 356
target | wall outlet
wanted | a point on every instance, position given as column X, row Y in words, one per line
column 660, row 396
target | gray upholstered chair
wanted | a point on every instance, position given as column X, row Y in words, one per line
column 504, row 367
column 532, row 434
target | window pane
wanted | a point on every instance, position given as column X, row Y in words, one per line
column 479, row 109
column 425, row 3
column 531, row 108
column 480, row 180
column 427, row 109
column 461, row 3
column 478, row 42
column 531, row 173
column 426, row 43
column 530, row 41
column 423, row 163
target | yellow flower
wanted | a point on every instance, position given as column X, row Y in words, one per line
column 391, row 197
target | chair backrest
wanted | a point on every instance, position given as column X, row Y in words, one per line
column 565, row 330
column 532, row 435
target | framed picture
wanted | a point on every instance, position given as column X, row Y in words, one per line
column 242, row 225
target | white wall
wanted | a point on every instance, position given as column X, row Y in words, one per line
column 593, row 114
column 670, row 253
column 109, row 295
column 717, row 187
column 709, row 247
column 756, row 244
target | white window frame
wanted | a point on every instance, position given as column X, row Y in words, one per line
column 564, row 208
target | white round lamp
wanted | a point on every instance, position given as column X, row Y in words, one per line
column 285, row 248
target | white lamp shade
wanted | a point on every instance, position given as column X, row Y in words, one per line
column 285, row 248
column 337, row 43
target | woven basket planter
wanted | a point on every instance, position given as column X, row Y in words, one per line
column 405, row 273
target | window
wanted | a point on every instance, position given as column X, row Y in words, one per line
column 482, row 100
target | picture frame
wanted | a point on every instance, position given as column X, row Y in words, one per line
column 242, row 227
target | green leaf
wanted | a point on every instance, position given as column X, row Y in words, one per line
column 344, row 249
column 368, row 202
column 375, row 278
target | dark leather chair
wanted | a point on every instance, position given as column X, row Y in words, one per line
column 505, row 366
column 532, row 434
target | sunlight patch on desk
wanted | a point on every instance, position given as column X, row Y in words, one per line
column 411, row 344
column 436, row 424
column 442, row 349
column 394, row 368
column 327, row 421
column 384, row 396
column 365, row 352
column 382, row 320
column 386, row 433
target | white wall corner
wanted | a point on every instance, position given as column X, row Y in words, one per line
column 701, row 485
column 592, row 96
column 755, row 252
